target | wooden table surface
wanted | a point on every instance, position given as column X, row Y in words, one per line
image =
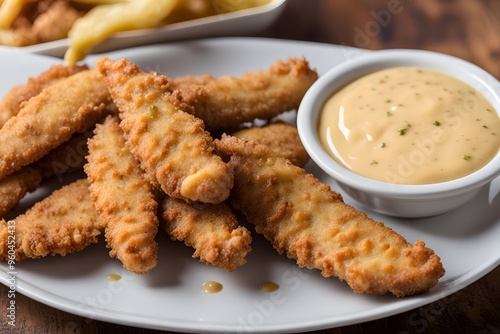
column 469, row 29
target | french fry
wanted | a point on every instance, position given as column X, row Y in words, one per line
column 103, row 21
column 224, row 6
column 9, row 10
column 99, row 2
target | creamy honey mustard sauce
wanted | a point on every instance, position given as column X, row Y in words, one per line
column 114, row 277
column 409, row 125
column 269, row 287
column 212, row 287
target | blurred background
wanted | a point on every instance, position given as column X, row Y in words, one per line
column 469, row 29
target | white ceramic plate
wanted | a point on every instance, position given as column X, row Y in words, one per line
column 170, row 296
column 236, row 23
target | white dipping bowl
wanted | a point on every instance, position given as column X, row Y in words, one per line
column 410, row 201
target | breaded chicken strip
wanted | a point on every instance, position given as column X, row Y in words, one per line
column 173, row 147
column 189, row 81
column 211, row 229
column 64, row 222
column 123, row 198
column 281, row 138
column 309, row 222
column 11, row 102
column 15, row 186
column 51, row 118
column 226, row 102
column 68, row 156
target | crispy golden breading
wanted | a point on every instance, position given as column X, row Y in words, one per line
column 226, row 102
column 68, row 156
column 281, row 138
column 173, row 147
column 189, row 81
column 211, row 229
column 15, row 186
column 305, row 219
column 123, row 198
column 64, row 222
column 50, row 118
column 11, row 102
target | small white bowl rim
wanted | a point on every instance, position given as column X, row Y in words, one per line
column 326, row 84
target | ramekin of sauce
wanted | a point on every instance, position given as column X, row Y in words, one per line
column 406, row 133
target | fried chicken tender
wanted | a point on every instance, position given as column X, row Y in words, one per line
column 305, row 219
column 11, row 102
column 64, row 222
column 281, row 138
column 211, row 229
column 67, row 157
column 123, row 198
column 15, row 186
column 39, row 22
column 50, row 118
column 189, row 81
column 226, row 102
column 173, row 147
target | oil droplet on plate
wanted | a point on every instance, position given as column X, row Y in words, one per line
column 212, row 287
column 114, row 277
column 268, row 287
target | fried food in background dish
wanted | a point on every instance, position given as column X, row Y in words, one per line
column 310, row 223
column 37, row 22
column 11, row 102
column 211, row 229
column 89, row 22
column 9, row 10
column 67, row 157
column 281, row 138
column 64, row 222
column 227, row 102
column 172, row 146
column 50, row 118
column 115, row 16
column 189, row 9
column 123, row 198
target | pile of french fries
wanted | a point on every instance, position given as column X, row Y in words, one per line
column 89, row 22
